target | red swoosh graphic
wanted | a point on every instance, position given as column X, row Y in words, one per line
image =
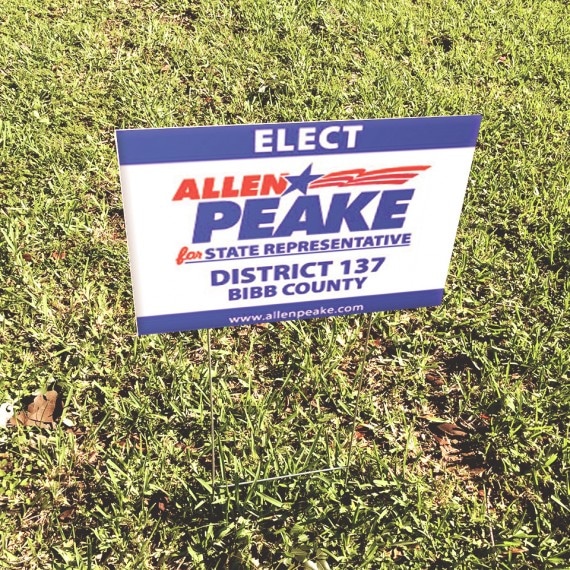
column 361, row 177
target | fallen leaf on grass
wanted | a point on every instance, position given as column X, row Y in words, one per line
column 44, row 410
column 363, row 433
column 442, row 441
column 435, row 379
column 516, row 550
column 66, row 514
column 450, row 429
column 158, row 504
column 396, row 554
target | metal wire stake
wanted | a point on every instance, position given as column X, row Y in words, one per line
column 212, row 427
column 360, row 376
column 280, row 477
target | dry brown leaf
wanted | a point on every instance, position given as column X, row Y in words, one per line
column 66, row 514
column 435, row 378
column 159, row 505
column 44, row 410
column 451, row 429
column 442, row 441
column 363, row 433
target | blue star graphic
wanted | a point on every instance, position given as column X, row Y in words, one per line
column 301, row 182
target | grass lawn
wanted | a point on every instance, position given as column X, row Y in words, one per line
column 462, row 447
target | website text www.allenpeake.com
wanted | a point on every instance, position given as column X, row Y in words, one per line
column 277, row 315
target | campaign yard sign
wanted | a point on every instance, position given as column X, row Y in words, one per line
column 245, row 224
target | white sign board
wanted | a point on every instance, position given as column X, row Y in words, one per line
column 245, row 224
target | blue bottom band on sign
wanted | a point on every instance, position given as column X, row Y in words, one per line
column 287, row 312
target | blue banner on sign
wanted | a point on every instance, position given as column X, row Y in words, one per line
column 287, row 312
column 188, row 144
